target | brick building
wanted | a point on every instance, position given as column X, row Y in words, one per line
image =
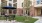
column 14, row 3
column 36, row 8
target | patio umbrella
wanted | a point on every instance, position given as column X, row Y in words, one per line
column 8, row 7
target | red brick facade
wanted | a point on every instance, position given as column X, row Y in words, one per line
column 32, row 11
column 19, row 11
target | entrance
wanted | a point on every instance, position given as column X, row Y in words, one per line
column 38, row 12
column 41, row 11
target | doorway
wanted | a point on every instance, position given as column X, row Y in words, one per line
column 41, row 11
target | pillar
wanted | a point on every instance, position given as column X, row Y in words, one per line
column 36, row 12
column 7, row 11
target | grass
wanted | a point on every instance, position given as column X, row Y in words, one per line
column 25, row 19
column 2, row 18
column 22, row 19
column 30, row 20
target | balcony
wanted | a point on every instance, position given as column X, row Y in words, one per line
column 39, row 5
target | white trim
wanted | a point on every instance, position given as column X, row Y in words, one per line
column 0, row 2
column 12, row 3
column 0, row 7
column 7, row 2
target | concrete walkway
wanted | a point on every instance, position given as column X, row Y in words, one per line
column 4, row 21
column 39, row 19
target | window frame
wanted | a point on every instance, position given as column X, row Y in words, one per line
column 22, row 4
column 10, row 4
column 38, row 2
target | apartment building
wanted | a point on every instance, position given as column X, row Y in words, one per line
column 36, row 9
column 26, row 7
column 18, row 4
column 20, row 7
column 11, row 3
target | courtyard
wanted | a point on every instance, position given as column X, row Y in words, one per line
column 18, row 19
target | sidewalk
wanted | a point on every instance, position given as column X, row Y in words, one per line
column 39, row 19
column 4, row 21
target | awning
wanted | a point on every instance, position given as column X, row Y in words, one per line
column 8, row 7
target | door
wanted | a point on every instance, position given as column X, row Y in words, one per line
column 41, row 11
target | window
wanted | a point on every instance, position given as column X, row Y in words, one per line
column 10, row 0
column 10, row 11
column 14, row 11
column 26, row 11
column 22, row 4
column 14, row 1
column 38, row 1
column 15, row 5
column 41, row 0
column 41, row 3
column 10, row 4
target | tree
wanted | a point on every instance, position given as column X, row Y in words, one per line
column 27, row 4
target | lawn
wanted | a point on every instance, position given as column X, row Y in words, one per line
column 22, row 19
column 25, row 19
column 2, row 18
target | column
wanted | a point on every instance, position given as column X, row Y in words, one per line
column 23, row 12
column 7, row 11
column 27, row 12
column 12, row 11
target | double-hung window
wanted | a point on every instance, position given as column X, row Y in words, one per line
column 10, row 4
column 22, row 4
column 41, row 1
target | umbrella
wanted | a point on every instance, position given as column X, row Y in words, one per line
column 8, row 7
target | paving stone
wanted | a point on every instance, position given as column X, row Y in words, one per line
column 39, row 19
column 4, row 21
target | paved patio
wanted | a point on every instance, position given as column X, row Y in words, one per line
column 39, row 19
column 4, row 21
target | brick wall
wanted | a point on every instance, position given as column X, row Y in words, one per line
column 19, row 11
column 32, row 11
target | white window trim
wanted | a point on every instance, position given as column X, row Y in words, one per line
column 10, row 2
